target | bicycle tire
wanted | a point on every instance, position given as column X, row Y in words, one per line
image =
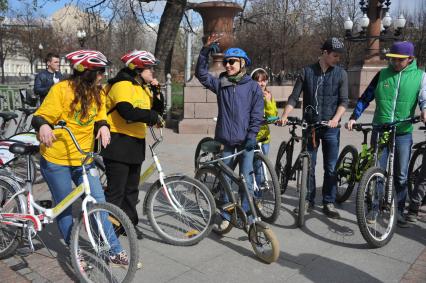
column 190, row 229
column 255, row 232
column 268, row 195
column 414, row 170
column 280, row 165
column 198, row 150
column 345, row 170
column 362, row 203
column 209, row 176
column 305, row 162
column 6, row 191
column 101, row 260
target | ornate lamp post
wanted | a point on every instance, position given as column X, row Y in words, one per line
column 81, row 35
column 374, row 27
column 40, row 49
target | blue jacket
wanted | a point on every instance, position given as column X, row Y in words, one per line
column 240, row 105
column 44, row 81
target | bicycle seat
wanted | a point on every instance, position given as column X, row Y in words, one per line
column 27, row 111
column 211, row 146
column 22, row 148
column 7, row 116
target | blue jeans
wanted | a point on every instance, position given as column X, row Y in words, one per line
column 59, row 178
column 258, row 169
column 246, row 168
column 403, row 144
column 330, row 138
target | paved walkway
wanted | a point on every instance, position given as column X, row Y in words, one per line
column 324, row 251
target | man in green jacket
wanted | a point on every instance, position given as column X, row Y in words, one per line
column 396, row 90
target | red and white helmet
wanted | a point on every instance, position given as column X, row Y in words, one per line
column 87, row 60
column 139, row 59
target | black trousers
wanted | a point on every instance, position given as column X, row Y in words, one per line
column 123, row 186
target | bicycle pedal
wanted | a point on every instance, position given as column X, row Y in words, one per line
column 228, row 206
column 45, row 203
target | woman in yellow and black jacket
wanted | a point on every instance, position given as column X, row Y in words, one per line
column 133, row 101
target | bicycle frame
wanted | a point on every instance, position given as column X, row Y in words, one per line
column 47, row 215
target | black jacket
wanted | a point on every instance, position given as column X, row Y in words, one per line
column 44, row 81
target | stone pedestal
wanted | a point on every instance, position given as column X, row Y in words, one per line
column 200, row 107
column 359, row 77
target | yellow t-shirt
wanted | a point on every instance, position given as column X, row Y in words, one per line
column 56, row 107
column 138, row 96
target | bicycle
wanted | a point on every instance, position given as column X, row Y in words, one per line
column 265, row 180
column 94, row 237
column 376, row 204
column 213, row 173
column 351, row 165
column 179, row 208
column 415, row 164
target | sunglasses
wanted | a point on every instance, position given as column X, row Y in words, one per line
column 398, row 59
column 230, row 61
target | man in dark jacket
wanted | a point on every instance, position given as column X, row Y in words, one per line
column 325, row 98
column 47, row 78
column 240, row 105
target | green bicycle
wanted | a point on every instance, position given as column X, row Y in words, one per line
column 351, row 165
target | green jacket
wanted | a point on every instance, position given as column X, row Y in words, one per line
column 396, row 96
column 270, row 111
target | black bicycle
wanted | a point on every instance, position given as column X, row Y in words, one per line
column 376, row 204
column 299, row 170
column 214, row 174
column 416, row 164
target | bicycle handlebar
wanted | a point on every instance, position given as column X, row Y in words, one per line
column 294, row 121
column 62, row 125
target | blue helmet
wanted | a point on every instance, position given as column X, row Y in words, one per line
column 238, row 53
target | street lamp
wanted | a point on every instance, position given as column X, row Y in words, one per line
column 81, row 35
column 40, row 48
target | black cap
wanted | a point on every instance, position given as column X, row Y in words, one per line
column 333, row 44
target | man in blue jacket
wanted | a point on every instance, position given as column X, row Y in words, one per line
column 47, row 78
column 240, row 105
column 325, row 98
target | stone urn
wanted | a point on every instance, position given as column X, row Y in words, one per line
column 218, row 17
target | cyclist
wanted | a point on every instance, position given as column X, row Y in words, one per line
column 240, row 106
column 325, row 98
column 261, row 77
column 395, row 89
column 80, row 102
column 133, row 93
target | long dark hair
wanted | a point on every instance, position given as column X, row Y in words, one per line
column 86, row 90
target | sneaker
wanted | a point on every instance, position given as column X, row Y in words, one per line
column 330, row 211
column 81, row 262
column 139, row 233
column 401, row 222
column 411, row 217
column 120, row 259
column 371, row 217
column 308, row 207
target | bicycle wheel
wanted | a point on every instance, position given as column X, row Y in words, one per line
column 303, row 189
column 9, row 235
column 414, row 169
column 95, row 262
column 345, row 169
column 198, row 152
column 192, row 217
column 264, row 243
column 280, row 167
column 266, row 188
column 376, row 219
column 213, row 181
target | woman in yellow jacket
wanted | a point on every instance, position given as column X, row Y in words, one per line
column 80, row 102
column 270, row 110
column 132, row 102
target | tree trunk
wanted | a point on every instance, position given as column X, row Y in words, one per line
column 169, row 27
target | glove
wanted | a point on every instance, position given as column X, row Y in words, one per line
column 153, row 118
column 250, row 144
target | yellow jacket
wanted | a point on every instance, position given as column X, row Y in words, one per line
column 56, row 107
column 270, row 111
